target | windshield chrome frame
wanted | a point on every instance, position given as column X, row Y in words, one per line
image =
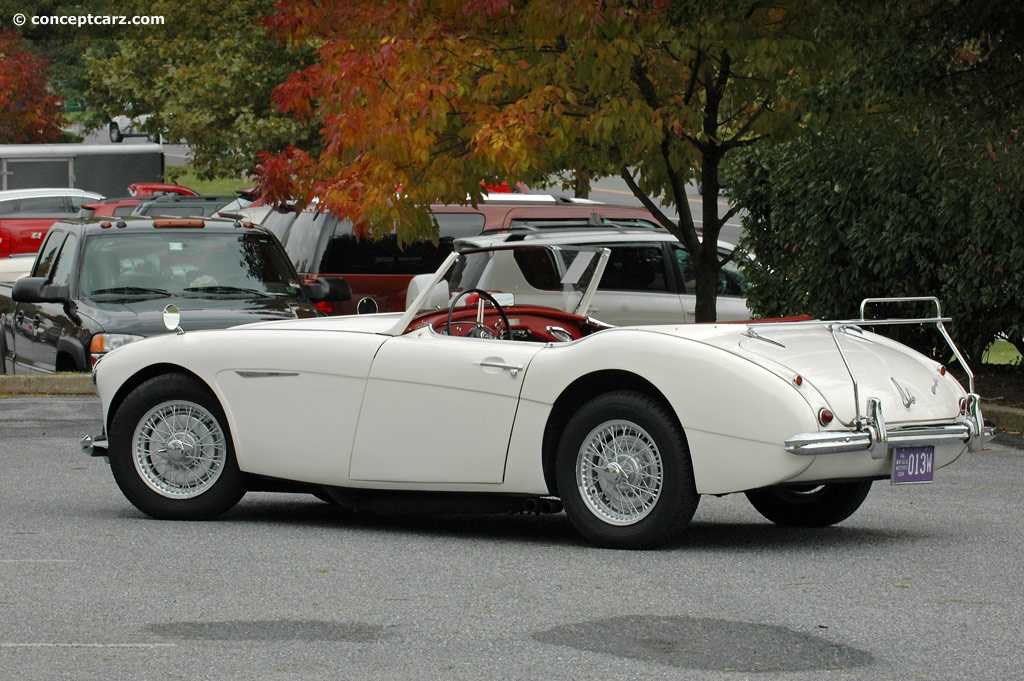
column 581, row 307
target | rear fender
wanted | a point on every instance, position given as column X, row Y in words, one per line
column 735, row 414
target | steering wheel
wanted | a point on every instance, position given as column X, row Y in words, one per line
column 480, row 330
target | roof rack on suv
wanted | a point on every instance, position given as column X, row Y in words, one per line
column 578, row 223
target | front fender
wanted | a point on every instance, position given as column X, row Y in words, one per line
column 72, row 347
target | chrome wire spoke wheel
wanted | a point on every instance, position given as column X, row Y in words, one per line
column 179, row 449
column 619, row 472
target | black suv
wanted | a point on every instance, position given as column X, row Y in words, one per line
column 98, row 284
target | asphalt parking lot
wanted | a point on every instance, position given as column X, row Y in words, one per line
column 922, row 583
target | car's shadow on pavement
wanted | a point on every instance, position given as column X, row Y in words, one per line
column 741, row 537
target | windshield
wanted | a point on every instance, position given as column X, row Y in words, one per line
column 555, row 276
column 185, row 263
column 561, row 277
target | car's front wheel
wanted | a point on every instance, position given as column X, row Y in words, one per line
column 812, row 505
column 115, row 133
column 171, row 453
column 624, row 472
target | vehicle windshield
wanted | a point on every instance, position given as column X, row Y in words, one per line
column 514, row 275
column 523, row 272
column 185, row 263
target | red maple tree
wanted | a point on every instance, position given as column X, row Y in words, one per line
column 417, row 101
column 28, row 113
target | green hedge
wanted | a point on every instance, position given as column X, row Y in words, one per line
column 871, row 211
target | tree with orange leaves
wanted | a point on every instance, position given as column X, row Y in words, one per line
column 28, row 113
column 432, row 96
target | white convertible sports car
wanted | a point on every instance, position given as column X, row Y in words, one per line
column 470, row 402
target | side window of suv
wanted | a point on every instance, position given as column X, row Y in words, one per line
column 346, row 253
column 278, row 222
column 456, row 225
column 48, row 252
column 75, row 202
column 43, row 205
column 635, row 267
column 730, row 278
column 65, row 265
column 306, row 241
column 320, row 243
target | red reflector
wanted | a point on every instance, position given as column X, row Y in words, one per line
column 798, row 380
column 825, row 417
column 326, row 308
column 942, row 371
column 179, row 223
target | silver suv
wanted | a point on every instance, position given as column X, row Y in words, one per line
column 649, row 278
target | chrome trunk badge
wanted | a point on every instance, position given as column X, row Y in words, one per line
column 905, row 394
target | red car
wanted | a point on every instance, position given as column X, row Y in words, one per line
column 158, row 189
column 26, row 215
column 110, row 206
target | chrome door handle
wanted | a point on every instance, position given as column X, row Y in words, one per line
column 513, row 369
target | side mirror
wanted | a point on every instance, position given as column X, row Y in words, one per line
column 172, row 318
column 38, row 290
column 328, row 290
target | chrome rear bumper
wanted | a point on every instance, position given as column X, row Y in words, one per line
column 873, row 436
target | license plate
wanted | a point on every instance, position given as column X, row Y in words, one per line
column 912, row 465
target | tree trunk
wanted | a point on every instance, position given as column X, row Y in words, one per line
column 706, row 261
column 581, row 183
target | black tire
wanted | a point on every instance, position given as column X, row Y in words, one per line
column 604, row 499
column 171, row 453
column 812, row 506
column 115, row 133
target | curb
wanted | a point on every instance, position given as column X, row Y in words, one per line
column 1010, row 419
column 37, row 385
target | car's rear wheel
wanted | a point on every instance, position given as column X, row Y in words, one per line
column 171, row 453
column 115, row 133
column 624, row 472
column 812, row 505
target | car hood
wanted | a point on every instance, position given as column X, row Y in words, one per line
column 145, row 317
column 912, row 388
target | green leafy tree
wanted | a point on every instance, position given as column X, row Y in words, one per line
column 909, row 184
column 417, row 102
column 866, row 211
column 204, row 77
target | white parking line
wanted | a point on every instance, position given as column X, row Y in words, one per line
column 88, row 645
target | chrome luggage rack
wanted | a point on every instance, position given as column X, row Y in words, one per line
column 870, row 432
